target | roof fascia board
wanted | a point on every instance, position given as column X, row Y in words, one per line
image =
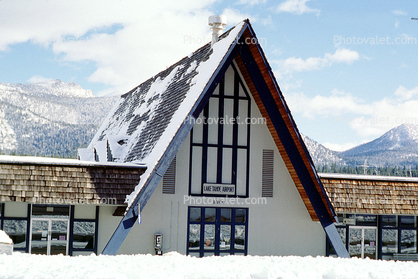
column 218, row 74
column 307, row 154
column 296, row 158
column 283, row 133
column 144, row 195
column 146, row 192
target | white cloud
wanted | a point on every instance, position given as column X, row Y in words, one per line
column 296, row 7
column 139, row 48
column 294, row 64
column 399, row 12
column 343, row 56
column 386, row 114
column 365, row 119
column 234, row 16
column 406, row 94
column 336, row 104
column 252, row 2
column 339, row 147
column 38, row 78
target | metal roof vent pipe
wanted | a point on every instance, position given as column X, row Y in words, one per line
column 217, row 23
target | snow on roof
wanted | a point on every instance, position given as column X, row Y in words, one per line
column 146, row 119
column 367, row 177
column 58, row 161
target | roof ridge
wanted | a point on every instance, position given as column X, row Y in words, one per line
column 223, row 36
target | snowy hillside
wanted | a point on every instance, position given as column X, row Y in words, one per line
column 322, row 155
column 55, row 88
column 54, row 118
column 397, row 147
column 51, row 118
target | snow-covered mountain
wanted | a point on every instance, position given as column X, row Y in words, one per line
column 397, row 147
column 322, row 155
column 54, row 118
column 50, row 118
column 56, row 88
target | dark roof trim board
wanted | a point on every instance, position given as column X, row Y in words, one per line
column 316, row 198
column 278, row 99
column 286, row 135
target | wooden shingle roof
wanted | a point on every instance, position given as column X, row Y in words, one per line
column 65, row 182
column 372, row 194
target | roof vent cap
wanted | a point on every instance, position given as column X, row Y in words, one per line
column 217, row 23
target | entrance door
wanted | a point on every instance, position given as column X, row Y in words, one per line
column 49, row 237
column 362, row 242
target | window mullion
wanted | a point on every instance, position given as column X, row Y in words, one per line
column 217, row 230
column 220, row 130
column 235, row 131
column 205, row 148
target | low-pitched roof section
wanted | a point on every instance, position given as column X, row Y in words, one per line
column 370, row 194
column 66, row 181
column 151, row 121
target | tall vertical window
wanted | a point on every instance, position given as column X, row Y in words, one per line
column 83, row 233
column 217, row 231
column 219, row 148
column 16, row 228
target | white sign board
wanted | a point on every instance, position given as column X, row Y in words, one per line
column 218, row 189
column 349, row 221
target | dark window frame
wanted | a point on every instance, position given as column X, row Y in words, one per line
column 27, row 219
column 238, row 82
column 399, row 228
column 71, row 248
column 71, row 224
column 218, row 222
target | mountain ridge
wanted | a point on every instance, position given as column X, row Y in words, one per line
column 50, row 118
column 55, row 118
column 396, row 147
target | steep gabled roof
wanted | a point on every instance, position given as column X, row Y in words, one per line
column 151, row 122
column 151, row 113
column 142, row 125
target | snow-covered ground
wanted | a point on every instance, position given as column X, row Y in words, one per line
column 174, row 265
column 4, row 238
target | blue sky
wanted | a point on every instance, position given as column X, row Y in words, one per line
column 348, row 69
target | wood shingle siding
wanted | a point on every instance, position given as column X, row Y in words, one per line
column 55, row 184
column 372, row 194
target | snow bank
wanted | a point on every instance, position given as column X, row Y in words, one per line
column 4, row 238
column 6, row 244
column 174, row 265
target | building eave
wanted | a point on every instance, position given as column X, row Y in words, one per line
column 288, row 152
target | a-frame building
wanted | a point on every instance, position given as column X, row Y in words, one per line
column 227, row 170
